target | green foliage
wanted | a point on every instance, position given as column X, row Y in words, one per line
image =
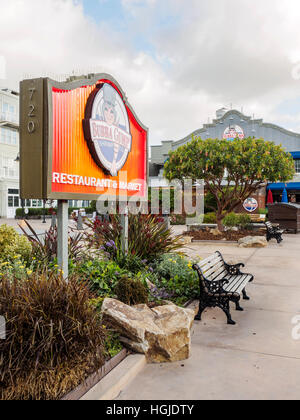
column 101, row 275
column 160, row 197
column 263, row 211
column 45, row 249
column 210, row 218
column 13, row 245
column 176, row 275
column 17, row 269
column 131, row 291
column 244, row 221
column 54, row 337
column 39, row 212
column 113, row 345
column 237, row 220
column 231, row 220
column 148, row 238
column 96, row 303
column 249, row 163
column 210, row 203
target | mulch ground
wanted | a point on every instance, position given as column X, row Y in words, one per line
column 206, row 235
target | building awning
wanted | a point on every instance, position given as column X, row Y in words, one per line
column 291, row 186
column 296, row 155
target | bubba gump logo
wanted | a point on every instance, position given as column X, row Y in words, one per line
column 107, row 129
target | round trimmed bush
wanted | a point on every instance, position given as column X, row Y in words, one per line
column 12, row 244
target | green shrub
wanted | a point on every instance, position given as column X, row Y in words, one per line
column 54, row 337
column 13, row 245
column 176, row 276
column 210, row 218
column 237, row 220
column 102, row 276
column 244, row 221
column 263, row 211
column 39, row 212
column 131, row 291
column 231, row 220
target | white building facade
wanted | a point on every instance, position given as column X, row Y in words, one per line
column 9, row 151
column 9, row 156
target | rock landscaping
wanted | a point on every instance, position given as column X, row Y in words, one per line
column 162, row 333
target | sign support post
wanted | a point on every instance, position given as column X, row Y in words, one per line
column 62, row 236
column 124, row 223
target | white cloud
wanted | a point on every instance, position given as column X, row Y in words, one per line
column 213, row 53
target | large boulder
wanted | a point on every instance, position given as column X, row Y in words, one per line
column 253, row 242
column 163, row 333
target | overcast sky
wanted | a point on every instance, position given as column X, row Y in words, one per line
column 177, row 60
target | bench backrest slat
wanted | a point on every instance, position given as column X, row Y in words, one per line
column 213, row 267
column 214, row 270
column 217, row 275
column 209, row 262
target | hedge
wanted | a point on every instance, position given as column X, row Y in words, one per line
column 48, row 212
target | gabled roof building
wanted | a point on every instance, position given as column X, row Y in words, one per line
column 231, row 124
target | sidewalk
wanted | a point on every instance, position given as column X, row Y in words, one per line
column 257, row 358
column 37, row 225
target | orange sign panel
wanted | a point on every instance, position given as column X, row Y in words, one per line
column 94, row 145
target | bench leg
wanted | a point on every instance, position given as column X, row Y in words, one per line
column 238, row 306
column 226, row 310
column 199, row 314
column 279, row 239
column 245, row 296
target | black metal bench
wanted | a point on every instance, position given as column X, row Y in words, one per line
column 274, row 232
column 220, row 284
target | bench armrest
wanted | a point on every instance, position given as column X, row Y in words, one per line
column 216, row 286
column 235, row 269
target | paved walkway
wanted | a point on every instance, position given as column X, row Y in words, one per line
column 257, row 358
column 38, row 225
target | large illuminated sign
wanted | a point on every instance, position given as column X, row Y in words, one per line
column 79, row 140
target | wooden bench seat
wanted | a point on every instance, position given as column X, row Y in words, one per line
column 221, row 283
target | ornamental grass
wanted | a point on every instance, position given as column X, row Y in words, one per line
column 54, row 338
column 148, row 237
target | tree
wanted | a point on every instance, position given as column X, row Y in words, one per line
column 232, row 170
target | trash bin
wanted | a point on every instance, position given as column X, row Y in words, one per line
column 287, row 216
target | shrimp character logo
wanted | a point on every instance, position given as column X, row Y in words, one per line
column 233, row 132
column 107, row 129
column 250, row 205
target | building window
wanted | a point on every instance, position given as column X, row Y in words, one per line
column 10, row 201
column 8, row 136
column 297, row 166
column 15, row 192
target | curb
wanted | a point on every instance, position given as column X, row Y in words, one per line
column 93, row 379
column 195, row 241
column 111, row 386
